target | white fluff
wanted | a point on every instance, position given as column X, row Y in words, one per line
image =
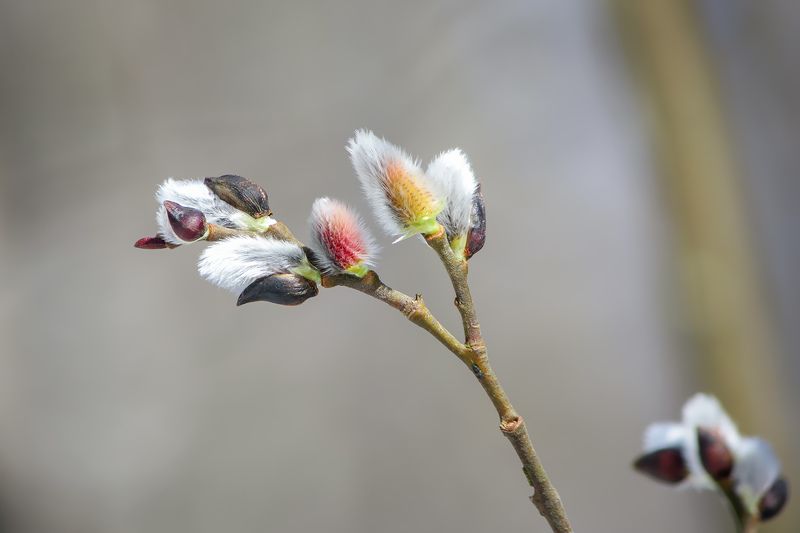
column 755, row 465
column 371, row 156
column 703, row 410
column 236, row 262
column 755, row 470
column 194, row 193
column 452, row 180
column 660, row 435
column 323, row 211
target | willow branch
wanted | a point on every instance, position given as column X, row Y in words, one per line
column 414, row 309
column 545, row 497
column 472, row 353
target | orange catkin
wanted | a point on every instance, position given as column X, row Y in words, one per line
column 409, row 199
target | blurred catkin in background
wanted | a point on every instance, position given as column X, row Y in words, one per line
column 639, row 163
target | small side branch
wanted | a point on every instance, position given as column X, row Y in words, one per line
column 414, row 309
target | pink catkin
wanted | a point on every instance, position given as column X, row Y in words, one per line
column 342, row 237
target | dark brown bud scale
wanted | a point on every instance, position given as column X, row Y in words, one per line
column 241, row 193
column 313, row 258
column 188, row 223
column 476, row 236
column 283, row 289
column 666, row 465
column 773, row 501
column 717, row 459
column 151, row 243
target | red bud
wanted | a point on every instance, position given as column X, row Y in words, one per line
column 714, row 454
column 188, row 223
column 150, row 243
column 667, row 465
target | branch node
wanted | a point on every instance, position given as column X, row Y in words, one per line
column 511, row 426
column 478, row 348
column 415, row 310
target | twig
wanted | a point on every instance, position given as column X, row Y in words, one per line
column 545, row 497
column 473, row 354
column 413, row 308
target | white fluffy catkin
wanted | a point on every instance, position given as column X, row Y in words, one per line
column 370, row 156
column 334, row 219
column 755, row 470
column 194, row 193
column 452, row 180
column 755, row 467
column 235, row 263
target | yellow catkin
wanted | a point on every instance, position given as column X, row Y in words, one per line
column 410, row 200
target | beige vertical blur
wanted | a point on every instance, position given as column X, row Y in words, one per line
column 726, row 315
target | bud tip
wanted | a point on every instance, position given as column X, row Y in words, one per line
column 150, row 243
column 189, row 224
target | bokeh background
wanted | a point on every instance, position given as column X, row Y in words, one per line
column 640, row 166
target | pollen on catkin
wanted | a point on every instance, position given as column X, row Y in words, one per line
column 395, row 186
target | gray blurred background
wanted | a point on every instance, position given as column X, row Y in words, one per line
column 639, row 162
